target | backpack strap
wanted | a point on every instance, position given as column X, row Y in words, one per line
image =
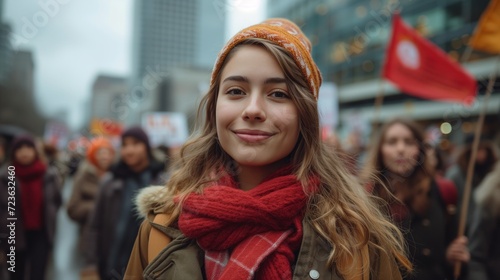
column 158, row 239
column 449, row 193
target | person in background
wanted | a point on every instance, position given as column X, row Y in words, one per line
column 436, row 159
column 52, row 156
column 75, row 157
column 255, row 193
column 37, row 200
column 114, row 225
column 100, row 156
column 355, row 148
column 485, row 160
column 335, row 146
column 399, row 172
column 484, row 231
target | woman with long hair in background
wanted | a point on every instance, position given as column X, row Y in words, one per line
column 399, row 172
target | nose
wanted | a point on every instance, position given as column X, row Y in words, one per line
column 255, row 108
column 400, row 147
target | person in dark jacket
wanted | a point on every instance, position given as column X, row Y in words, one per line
column 484, row 231
column 34, row 189
column 113, row 224
column 485, row 161
column 52, row 157
column 100, row 155
column 417, row 203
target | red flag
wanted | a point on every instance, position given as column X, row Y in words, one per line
column 420, row 68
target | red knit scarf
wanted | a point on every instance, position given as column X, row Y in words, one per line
column 247, row 234
column 30, row 179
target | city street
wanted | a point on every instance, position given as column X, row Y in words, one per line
column 370, row 125
column 66, row 261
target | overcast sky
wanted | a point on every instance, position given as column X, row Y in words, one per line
column 75, row 40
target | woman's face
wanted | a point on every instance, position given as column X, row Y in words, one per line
column 133, row 152
column 400, row 150
column 482, row 155
column 257, row 121
column 25, row 155
column 104, row 157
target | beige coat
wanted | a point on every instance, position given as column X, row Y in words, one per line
column 83, row 196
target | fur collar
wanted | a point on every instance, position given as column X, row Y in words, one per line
column 148, row 199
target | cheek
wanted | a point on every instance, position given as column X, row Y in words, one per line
column 124, row 152
column 102, row 158
column 286, row 119
column 288, row 116
column 141, row 150
column 18, row 154
column 386, row 152
column 413, row 153
column 225, row 113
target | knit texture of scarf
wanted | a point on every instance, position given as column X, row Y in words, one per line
column 247, row 234
column 30, row 179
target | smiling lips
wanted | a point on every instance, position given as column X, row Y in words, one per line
column 402, row 161
column 252, row 136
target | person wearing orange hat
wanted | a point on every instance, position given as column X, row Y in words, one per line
column 255, row 193
column 113, row 224
column 100, row 155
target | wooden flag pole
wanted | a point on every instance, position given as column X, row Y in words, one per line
column 472, row 161
column 466, row 54
column 379, row 100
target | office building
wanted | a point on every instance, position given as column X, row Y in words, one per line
column 169, row 35
column 349, row 42
column 108, row 93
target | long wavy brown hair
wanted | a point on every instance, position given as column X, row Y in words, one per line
column 341, row 211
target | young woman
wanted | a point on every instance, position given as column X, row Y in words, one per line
column 256, row 195
column 35, row 201
column 418, row 203
column 100, row 156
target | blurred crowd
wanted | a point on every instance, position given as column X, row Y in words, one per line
column 419, row 185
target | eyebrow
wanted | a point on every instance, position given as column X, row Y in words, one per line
column 274, row 80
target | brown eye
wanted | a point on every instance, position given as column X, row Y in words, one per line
column 279, row 94
column 235, row 91
column 391, row 141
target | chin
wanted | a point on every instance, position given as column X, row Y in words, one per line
column 130, row 162
column 405, row 172
column 253, row 163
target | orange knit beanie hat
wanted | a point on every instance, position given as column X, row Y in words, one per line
column 283, row 33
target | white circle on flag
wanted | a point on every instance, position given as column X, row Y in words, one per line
column 408, row 54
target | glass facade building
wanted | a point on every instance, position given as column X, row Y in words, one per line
column 350, row 38
column 168, row 36
column 169, row 33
